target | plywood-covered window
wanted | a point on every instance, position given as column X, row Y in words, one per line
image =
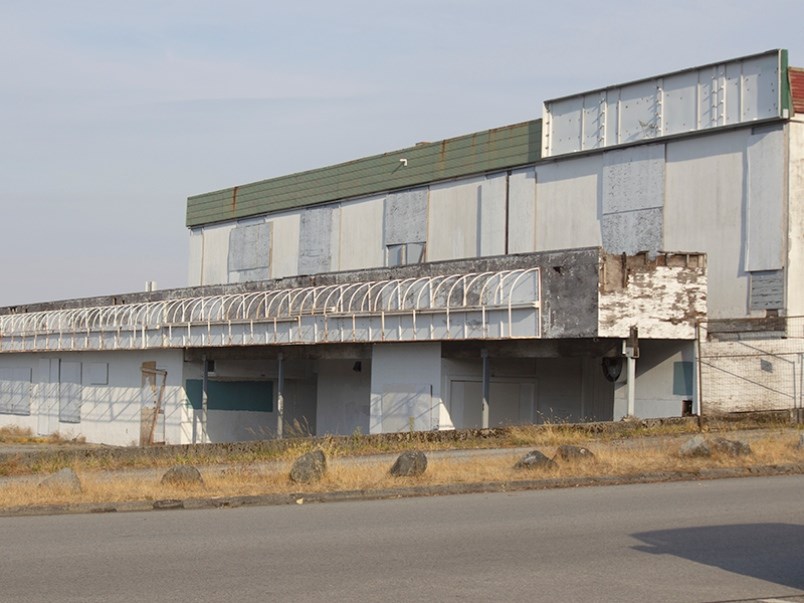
column 405, row 227
column 15, row 391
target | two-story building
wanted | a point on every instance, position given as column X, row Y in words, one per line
column 554, row 270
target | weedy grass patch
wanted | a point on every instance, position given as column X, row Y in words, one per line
column 254, row 477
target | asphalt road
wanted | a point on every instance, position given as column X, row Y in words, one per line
column 688, row 541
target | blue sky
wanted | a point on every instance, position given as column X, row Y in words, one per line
column 113, row 113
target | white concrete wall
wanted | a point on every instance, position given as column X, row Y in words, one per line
column 344, row 396
column 454, row 216
column 795, row 259
column 110, row 412
column 196, row 255
column 285, row 252
column 215, row 249
column 568, row 203
column 405, row 387
column 361, row 234
column 704, row 212
column 522, row 211
column 654, row 395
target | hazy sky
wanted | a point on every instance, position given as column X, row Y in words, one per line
column 112, row 113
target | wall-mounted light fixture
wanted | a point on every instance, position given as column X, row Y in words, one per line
column 404, row 162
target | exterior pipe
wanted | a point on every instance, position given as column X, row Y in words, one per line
column 631, row 385
column 280, row 396
column 484, row 407
column 204, row 399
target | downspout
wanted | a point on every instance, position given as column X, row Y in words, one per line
column 280, row 396
column 484, row 405
column 204, row 399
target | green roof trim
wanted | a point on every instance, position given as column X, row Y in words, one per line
column 477, row 153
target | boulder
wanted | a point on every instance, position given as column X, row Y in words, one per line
column 535, row 459
column 410, row 463
column 696, row 446
column 568, row 452
column 182, row 475
column 309, row 467
column 65, row 480
column 730, row 447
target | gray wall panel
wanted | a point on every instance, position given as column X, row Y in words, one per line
column 405, row 217
column 315, row 240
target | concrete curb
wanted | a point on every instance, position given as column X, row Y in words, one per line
column 231, row 502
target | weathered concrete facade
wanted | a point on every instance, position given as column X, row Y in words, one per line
column 546, row 271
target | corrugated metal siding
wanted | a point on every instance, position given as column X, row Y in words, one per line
column 797, row 88
column 500, row 148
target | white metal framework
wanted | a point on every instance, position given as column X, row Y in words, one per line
column 486, row 305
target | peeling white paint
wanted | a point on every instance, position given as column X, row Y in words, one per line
column 663, row 302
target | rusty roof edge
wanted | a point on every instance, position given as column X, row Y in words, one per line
column 419, row 147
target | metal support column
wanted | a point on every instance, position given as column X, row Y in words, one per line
column 204, row 399
column 631, row 385
column 631, row 351
column 484, row 405
column 280, row 396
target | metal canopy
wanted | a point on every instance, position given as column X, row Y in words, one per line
column 486, row 305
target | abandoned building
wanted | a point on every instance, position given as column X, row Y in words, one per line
column 587, row 265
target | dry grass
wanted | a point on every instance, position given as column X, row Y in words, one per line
column 12, row 434
column 613, row 459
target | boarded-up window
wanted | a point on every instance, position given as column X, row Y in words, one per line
column 15, row 391
column 633, row 199
column 250, row 252
column 315, row 240
column 405, row 227
column 70, row 392
column 232, row 395
column 767, row 290
column 405, row 217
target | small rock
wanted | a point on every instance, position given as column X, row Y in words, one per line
column 182, row 475
column 410, row 463
column 168, row 504
column 309, row 467
column 65, row 480
column 535, row 459
column 568, row 452
column 695, row 446
column 731, row 447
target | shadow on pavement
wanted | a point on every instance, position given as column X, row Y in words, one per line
column 773, row 552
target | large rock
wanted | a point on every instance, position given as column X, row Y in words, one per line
column 696, row 446
column 410, row 463
column 65, row 480
column 182, row 475
column 309, row 467
column 568, row 452
column 699, row 446
column 730, row 447
column 535, row 459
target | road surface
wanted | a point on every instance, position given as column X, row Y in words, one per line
column 690, row 541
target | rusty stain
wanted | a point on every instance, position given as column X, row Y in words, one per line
column 234, row 198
